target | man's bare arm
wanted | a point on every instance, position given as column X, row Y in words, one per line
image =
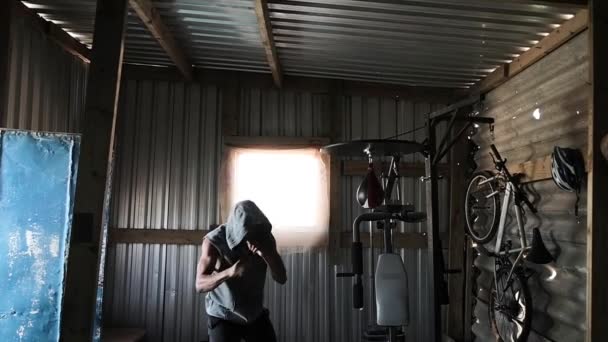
column 268, row 251
column 207, row 279
column 277, row 268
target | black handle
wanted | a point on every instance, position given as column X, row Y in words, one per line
column 481, row 119
column 344, row 274
column 358, row 295
column 496, row 154
column 357, row 257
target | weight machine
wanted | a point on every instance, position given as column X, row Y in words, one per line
column 390, row 279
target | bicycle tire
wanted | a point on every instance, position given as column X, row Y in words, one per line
column 519, row 301
column 494, row 202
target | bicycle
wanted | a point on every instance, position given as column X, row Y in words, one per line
column 510, row 302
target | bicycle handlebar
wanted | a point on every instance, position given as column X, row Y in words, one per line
column 501, row 166
column 496, row 154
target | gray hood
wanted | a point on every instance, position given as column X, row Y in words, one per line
column 244, row 217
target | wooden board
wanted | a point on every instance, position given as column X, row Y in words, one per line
column 555, row 39
column 265, row 27
column 551, row 42
column 151, row 18
column 535, row 170
column 493, row 80
column 96, row 163
column 597, row 178
column 275, row 142
column 456, row 243
column 158, row 236
column 195, row 237
column 54, row 32
column 6, row 19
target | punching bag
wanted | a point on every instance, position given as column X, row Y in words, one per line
column 370, row 193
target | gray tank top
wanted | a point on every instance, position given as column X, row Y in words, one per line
column 237, row 300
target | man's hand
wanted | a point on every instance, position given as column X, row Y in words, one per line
column 253, row 248
column 267, row 250
column 262, row 246
column 236, row 270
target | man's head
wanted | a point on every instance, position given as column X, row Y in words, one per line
column 247, row 222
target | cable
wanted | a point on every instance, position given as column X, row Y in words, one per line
column 404, row 133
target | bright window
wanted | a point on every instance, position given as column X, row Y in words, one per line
column 289, row 186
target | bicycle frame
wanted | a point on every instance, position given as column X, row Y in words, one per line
column 521, row 251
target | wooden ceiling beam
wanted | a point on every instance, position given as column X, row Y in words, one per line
column 554, row 40
column 261, row 12
column 153, row 21
column 575, row 3
column 54, row 32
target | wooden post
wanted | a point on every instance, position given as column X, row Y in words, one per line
column 456, row 251
column 335, row 180
column 597, row 178
column 95, row 167
column 6, row 20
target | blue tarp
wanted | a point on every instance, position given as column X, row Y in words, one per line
column 37, row 182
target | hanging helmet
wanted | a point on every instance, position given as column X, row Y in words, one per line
column 568, row 171
column 567, row 168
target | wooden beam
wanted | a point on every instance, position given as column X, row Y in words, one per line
column 406, row 169
column 261, row 12
column 456, row 243
column 54, row 32
column 157, row 236
column 6, row 22
column 275, row 142
column 493, row 80
column 554, row 40
column 93, row 187
column 153, row 21
column 597, row 177
column 576, row 3
column 195, row 237
column 534, row 170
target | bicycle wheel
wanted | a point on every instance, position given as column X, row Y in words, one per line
column 481, row 207
column 510, row 308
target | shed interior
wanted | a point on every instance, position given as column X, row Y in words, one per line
column 165, row 94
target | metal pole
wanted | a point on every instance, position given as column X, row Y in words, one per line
column 372, row 289
column 391, row 334
column 433, row 236
column 388, row 243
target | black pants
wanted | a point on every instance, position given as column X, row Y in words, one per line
column 260, row 330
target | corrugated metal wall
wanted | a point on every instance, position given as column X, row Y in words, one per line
column 558, row 86
column 166, row 178
column 47, row 85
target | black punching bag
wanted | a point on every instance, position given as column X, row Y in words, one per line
column 370, row 193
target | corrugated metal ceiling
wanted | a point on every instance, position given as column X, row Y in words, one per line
column 449, row 43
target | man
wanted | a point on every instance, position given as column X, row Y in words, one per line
column 232, row 271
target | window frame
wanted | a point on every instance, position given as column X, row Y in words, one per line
column 272, row 143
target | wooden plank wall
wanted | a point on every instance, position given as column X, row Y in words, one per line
column 558, row 87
